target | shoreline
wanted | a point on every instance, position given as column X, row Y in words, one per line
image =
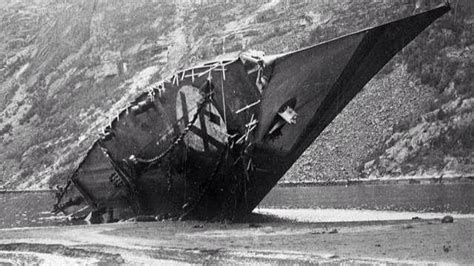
column 253, row 242
column 2, row 191
column 439, row 179
column 455, row 179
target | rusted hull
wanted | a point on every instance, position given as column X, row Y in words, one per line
column 211, row 141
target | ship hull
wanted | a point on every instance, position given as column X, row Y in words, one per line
column 212, row 141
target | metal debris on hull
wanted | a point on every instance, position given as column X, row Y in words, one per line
column 211, row 141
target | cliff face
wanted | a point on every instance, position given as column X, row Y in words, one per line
column 439, row 140
column 440, row 144
column 67, row 67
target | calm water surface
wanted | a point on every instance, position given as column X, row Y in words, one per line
column 20, row 209
column 450, row 198
column 33, row 208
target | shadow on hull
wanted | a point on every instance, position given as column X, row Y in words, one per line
column 211, row 141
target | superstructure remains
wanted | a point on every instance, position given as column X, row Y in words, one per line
column 211, row 141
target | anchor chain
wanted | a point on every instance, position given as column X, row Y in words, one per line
column 208, row 183
column 177, row 141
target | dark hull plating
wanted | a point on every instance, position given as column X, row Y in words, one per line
column 211, row 141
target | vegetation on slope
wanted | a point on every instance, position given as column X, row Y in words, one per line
column 67, row 67
column 439, row 142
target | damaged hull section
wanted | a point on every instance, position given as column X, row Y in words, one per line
column 211, row 141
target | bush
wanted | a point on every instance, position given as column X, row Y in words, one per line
column 428, row 57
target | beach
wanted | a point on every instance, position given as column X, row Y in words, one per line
column 262, row 238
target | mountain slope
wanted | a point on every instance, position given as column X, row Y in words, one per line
column 68, row 67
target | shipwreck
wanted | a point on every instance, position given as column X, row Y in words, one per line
column 212, row 140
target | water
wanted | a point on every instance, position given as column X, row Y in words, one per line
column 439, row 198
column 20, row 209
column 33, row 208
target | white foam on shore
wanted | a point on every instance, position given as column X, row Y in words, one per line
column 345, row 215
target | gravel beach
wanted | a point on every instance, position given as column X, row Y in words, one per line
column 261, row 239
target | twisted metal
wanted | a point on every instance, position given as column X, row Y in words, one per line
column 181, row 136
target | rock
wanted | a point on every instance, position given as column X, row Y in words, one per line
column 408, row 226
column 109, row 70
column 402, row 155
column 433, row 116
column 110, row 56
column 450, row 89
column 268, row 229
column 329, row 256
column 451, row 163
column 446, row 248
column 369, row 165
column 467, row 105
column 451, row 106
column 394, row 138
column 447, row 219
column 16, row 43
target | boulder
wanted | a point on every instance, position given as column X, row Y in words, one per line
column 447, row 219
column 451, row 106
column 466, row 105
column 369, row 165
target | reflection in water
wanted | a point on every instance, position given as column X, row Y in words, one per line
column 33, row 208
column 20, row 209
column 456, row 198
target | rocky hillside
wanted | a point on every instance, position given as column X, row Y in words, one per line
column 67, row 67
column 414, row 119
column 440, row 142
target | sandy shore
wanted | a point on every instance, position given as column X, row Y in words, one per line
column 262, row 239
column 350, row 215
